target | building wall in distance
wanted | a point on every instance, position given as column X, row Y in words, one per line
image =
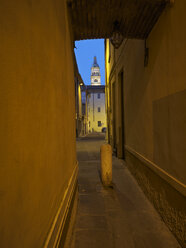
column 37, row 118
column 93, row 115
column 154, row 112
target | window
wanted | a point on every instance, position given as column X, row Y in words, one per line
column 99, row 109
column 99, row 123
column 95, row 80
column 99, row 95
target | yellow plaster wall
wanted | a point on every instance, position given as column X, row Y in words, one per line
column 155, row 96
column 37, row 127
column 79, row 101
column 109, row 79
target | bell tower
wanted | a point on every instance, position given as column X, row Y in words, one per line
column 95, row 73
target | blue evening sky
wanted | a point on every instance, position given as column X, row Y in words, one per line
column 85, row 52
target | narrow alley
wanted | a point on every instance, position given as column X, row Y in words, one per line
column 72, row 72
column 119, row 217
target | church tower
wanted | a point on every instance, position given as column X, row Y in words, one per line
column 95, row 73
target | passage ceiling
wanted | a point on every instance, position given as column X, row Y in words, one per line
column 93, row 19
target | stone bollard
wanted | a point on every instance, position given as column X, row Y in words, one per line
column 106, row 164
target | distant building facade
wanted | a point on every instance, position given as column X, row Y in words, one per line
column 96, row 108
column 95, row 101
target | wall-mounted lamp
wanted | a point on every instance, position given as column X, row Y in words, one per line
column 117, row 36
column 74, row 45
column 171, row 3
column 81, row 84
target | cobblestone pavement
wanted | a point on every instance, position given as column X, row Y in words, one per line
column 118, row 217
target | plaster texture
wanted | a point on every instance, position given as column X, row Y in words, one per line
column 37, row 118
column 154, row 96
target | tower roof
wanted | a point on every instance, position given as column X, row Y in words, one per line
column 95, row 64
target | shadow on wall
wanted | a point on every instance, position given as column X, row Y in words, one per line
column 169, row 120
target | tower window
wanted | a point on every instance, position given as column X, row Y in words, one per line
column 99, row 123
column 99, row 96
column 99, row 109
column 95, row 80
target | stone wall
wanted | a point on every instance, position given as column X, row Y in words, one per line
column 169, row 203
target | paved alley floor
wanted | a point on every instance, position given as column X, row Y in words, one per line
column 118, row 217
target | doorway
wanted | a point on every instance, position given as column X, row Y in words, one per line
column 121, row 123
column 114, row 115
